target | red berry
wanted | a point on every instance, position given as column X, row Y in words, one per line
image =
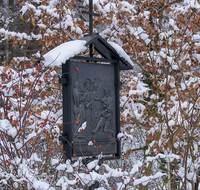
column 77, row 69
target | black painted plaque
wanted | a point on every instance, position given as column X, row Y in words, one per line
column 91, row 99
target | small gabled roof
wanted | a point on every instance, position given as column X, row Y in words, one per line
column 108, row 51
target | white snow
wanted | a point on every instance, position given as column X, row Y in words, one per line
column 40, row 185
column 7, row 128
column 63, row 52
column 35, row 157
column 5, row 125
column 83, row 126
column 12, row 132
column 90, row 143
column 92, row 164
column 121, row 52
column 54, row 161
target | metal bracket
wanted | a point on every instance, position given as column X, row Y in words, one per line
column 63, row 138
column 120, row 83
column 63, row 80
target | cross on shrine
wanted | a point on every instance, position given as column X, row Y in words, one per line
column 91, row 14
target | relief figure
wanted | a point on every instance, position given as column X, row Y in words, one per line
column 82, row 99
column 106, row 115
column 79, row 110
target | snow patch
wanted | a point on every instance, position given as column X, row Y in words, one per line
column 121, row 52
column 63, row 52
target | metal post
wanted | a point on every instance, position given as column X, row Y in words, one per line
column 90, row 17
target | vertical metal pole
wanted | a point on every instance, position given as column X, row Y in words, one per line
column 67, row 125
column 90, row 24
column 117, row 103
column 90, row 17
column 168, row 168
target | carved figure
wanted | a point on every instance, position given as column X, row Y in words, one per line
column 87, row 96
column 76, row 98
column 82, row 98
column 106, row 115
column 79, row 110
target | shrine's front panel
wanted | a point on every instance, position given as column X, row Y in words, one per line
column 91, row 102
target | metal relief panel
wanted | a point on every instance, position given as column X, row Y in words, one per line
column 93, row 103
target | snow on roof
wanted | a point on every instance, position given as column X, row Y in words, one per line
column 121, row 52
column 63, row 52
